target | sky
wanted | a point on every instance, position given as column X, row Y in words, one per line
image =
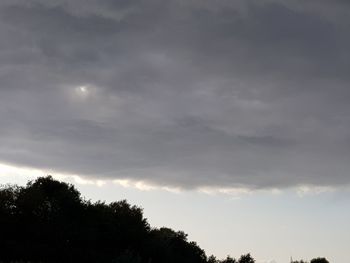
column 228, row 119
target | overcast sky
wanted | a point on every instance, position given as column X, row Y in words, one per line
column 182, row 93
column 179, row 94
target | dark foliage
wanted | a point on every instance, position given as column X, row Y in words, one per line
column 229, row 259
column 315, row 260
column 319, row 260
column 246, row 259
column 48, row 221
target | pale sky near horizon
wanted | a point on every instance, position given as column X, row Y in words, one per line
column 272, row 225
column 228, row 119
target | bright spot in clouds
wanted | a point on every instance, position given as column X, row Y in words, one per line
column 83, row 89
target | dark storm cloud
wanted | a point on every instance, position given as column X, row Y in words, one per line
column 180, row 93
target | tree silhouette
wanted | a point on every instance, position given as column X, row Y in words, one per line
column 212, row 259
column 49, row 221
column 246, row 259
column 319, row 260
column 229, row 259
column 315, row 260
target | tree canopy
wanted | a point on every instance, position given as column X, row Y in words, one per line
column 49, row 221
column 319, row 260
column 314, row 260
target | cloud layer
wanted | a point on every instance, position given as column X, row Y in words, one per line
column 178, row 93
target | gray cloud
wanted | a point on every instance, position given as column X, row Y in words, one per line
column 180, row 93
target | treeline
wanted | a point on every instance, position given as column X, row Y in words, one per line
column 315, row 260
column 49, row 221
